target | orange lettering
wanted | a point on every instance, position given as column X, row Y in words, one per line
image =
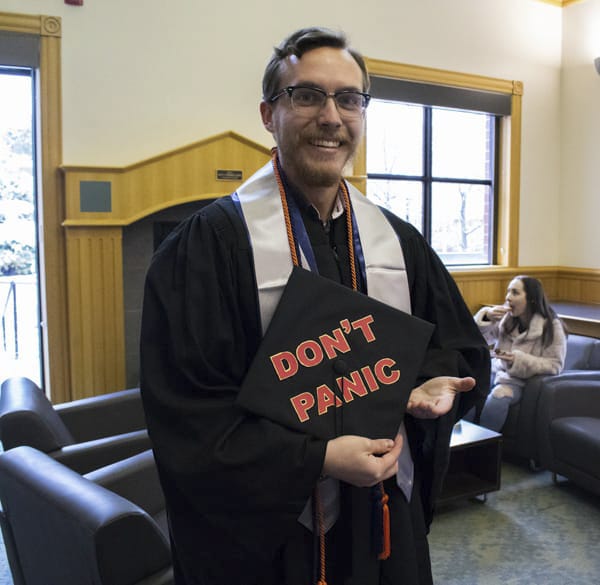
column 326, row 399
column 337, row 342
column 302, row 403
column 364, row 325
column 370, row 378
column 384, row 378
column 348, row 387
column 303, row 350
column 285, row 364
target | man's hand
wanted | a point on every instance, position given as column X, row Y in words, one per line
column 360, row 461
column 436, row 396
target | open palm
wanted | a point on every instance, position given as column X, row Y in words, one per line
column 436, row 396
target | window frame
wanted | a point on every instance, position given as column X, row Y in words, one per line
column 508, row 153
column 53, row 272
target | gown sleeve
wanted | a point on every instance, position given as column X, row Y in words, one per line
column 242, row 479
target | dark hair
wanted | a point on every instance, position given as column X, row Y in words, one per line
column 537, row 302
column 300, row 42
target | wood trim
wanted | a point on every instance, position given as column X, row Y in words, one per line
column 560, row 3
column 509, row 181
column 52, row 249
column 21, row 23
column 488, row 285
column 437, row 76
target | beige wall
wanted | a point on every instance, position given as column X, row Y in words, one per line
column 580, row 137
column 141, row 77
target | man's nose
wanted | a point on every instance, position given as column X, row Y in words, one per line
column 329, row 113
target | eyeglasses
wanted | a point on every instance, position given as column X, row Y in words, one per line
column 310, row 100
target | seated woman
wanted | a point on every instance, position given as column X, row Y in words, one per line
column 528, row 338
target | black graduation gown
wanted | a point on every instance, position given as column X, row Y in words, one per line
column 235, row 484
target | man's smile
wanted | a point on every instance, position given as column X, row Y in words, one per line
column 326, row 143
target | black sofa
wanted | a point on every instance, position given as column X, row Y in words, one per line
column 83, row 434
column 105, row 528
column 568, row 429
column 521, row 434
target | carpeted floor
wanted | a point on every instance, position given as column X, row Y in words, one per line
column 5, row 578
column 531, row 532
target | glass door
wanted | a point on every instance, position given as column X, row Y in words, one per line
column 20, row 330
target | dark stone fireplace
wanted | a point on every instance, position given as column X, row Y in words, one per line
column 140, row 239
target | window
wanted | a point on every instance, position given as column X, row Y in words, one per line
column 442, row 153
column 46, row 31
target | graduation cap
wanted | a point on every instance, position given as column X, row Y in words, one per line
column 334, row 361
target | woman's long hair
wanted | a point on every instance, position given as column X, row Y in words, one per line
column 537, row 302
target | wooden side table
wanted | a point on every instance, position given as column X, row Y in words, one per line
column 474, row 469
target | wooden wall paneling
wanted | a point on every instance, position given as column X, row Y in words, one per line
column 95, row 288
column 488, row 285
column 579, row 285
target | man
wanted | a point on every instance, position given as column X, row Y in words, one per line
column 237, row 484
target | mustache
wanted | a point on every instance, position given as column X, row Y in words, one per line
column 334, row 136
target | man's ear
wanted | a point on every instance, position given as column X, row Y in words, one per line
column 266, row 113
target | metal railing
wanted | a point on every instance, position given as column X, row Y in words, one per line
column 12, row 294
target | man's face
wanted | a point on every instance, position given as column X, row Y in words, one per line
column 314, row 149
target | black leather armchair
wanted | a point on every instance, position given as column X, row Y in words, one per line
column 568, row 428
column 519, row 434
column 84, row 434
column 62, row 528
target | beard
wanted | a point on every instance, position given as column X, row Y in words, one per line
column 313, row 170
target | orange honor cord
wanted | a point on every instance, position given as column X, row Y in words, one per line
column 386, row 547
column 321, row 528
column 350, row 232
column 288, row 223
column 345, row 196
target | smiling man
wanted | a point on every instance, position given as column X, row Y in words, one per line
column 252, row 500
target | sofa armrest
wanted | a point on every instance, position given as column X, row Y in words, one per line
column 90, row 455
column 135, row 479
column 70, row 530
column 569, row 397
column 27, row 417
column 102, row 416
column 565, row 397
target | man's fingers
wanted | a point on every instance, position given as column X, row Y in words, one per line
column 465, row 384
column 384, row 446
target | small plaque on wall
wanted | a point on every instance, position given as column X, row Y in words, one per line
column 228, row 175
column 95, row 196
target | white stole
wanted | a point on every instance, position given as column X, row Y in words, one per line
column 384, row 261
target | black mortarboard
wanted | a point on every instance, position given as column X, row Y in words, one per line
column 334, row 361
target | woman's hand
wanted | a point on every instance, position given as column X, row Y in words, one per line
column 496, row 312
column 507, row 356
